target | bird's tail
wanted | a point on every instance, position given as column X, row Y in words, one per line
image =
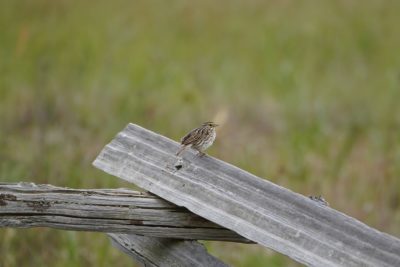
column 181, row 150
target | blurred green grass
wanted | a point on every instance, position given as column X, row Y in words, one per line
column 310, row 90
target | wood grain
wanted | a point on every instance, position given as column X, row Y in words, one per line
column 255, row 208
column 162, row 252
column 103, row 210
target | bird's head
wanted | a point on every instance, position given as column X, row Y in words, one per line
column 210, row 124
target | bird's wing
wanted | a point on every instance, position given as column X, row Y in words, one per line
column 191, row 136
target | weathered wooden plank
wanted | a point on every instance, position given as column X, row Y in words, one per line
column 163, row 252
column 257, row 209
column 104, row 210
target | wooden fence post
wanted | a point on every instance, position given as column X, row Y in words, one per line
column 255, row 208
column 116, row 211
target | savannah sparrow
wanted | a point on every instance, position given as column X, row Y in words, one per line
column 200, row 138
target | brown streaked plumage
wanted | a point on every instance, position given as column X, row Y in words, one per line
column 200, row 138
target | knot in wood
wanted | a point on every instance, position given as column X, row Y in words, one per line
column 6, row 197
column 39, row 205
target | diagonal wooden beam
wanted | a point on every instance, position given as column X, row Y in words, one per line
column 162, row 252
column 26, row 205
column 255, row 208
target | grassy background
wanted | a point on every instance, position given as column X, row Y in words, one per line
column 309, row 91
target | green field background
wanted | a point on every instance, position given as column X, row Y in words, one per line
column 308, row 93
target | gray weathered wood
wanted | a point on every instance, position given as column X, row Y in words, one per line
column 163, row 252
column 105, row 210
column 257, row 209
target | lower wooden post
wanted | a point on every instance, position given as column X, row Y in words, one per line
column 160, row 252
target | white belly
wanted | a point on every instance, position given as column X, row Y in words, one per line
column 207, row 143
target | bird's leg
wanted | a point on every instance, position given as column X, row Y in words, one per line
column 183, row 147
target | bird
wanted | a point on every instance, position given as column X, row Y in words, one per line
column 199, row 138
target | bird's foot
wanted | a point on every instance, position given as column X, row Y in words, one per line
column 201, row 154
